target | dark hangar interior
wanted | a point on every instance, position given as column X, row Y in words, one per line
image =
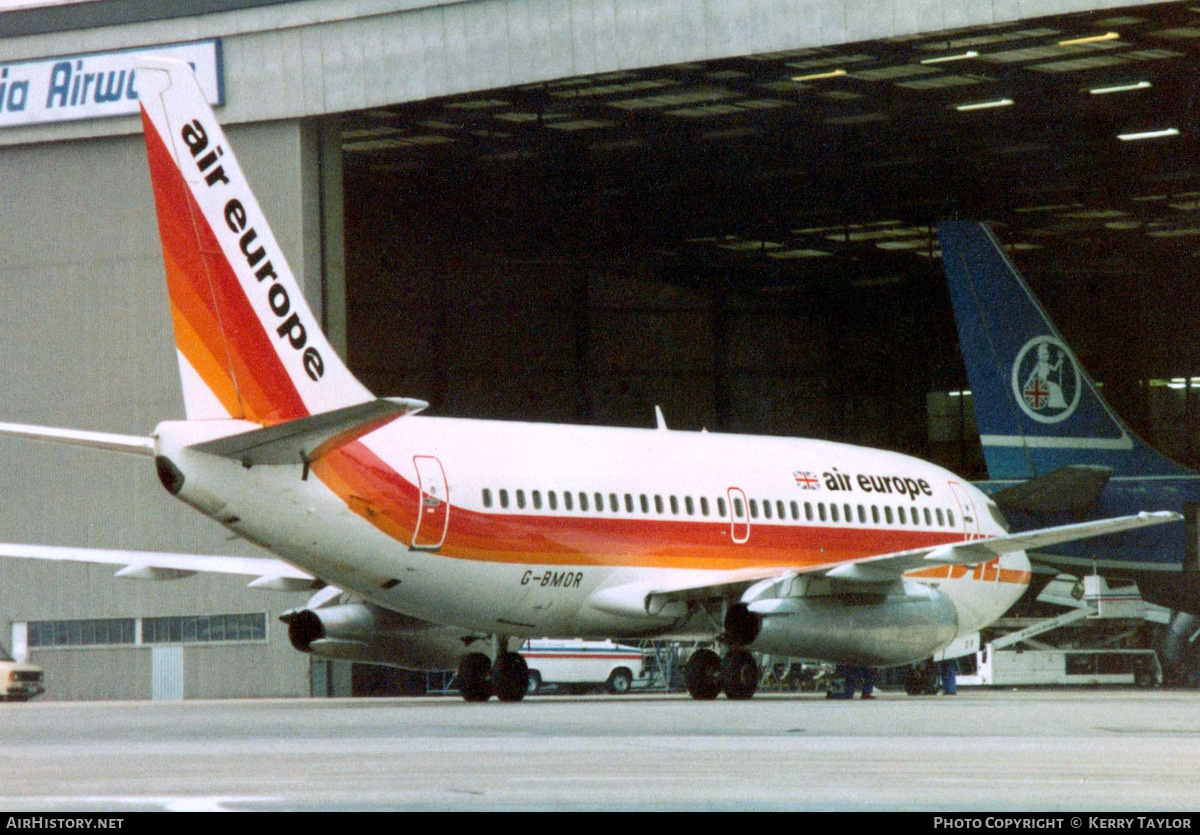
column 748, row 242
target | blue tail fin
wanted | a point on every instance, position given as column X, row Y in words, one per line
column 1036, row 407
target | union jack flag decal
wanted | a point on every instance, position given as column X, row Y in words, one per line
column 806, row 480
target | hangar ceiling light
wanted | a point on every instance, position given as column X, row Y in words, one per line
column 983, row 105
column 817, row 76
column 970, row 53
column 1107, row 36
column 1120, row 88
column 1148, row 134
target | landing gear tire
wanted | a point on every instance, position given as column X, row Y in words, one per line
column 475, row 677
column 702, row 675
column 535, row 683
column 739, row 675
column 620, row 682
column 510, row 677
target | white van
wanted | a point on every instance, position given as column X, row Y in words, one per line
column 578, row 664
column 19, row 682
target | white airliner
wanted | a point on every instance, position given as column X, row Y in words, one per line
column 455, row 538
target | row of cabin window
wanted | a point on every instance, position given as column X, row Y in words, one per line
column 823, row 513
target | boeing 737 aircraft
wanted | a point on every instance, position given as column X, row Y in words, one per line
column 457, row 536
column 1054, row 448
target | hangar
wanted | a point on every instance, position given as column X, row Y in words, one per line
column 573, row 211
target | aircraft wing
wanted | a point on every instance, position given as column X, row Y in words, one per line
column 892, row 566
column 639, row 599
column 273, row 575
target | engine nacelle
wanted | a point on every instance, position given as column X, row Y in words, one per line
column 906, row 623
column 369, row 634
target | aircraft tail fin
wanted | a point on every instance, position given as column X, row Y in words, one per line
column 248, row 345
column 1036, row 407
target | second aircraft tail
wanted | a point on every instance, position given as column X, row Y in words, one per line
column 1036, row 407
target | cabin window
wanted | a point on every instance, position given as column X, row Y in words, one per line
column 645, row 503
column 599, row 502
column 821, row 510
column 628, row 503
column 568, row 500
column 941, row 519
column 521, row 499
column 849, row 517
column 862, row 515
column 833, row 513
column 754, row 508
column 553, row 497
column 674, row 506
column 887, row 513
column 738, row 510
column 900, row 515
column 808, row 515
column 928, row 518
column 795, row 512
column 689, row 506
column 583, row 502
column 875, row 514
column 504, row 498
column 613, row 504
column 703, row 506
column 487, row 497
column 767, row 508
column 721, row 507
column 779, row 507
column 950, row 516
column 537, row 499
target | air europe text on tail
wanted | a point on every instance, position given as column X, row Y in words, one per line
column 249, row 346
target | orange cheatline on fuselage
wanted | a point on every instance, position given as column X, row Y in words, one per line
column 216, row 328
column 388, row 501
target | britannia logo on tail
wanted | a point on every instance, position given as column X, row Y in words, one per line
column 1046, row 380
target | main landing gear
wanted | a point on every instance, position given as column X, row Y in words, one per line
column 479, row 679
column 706, row 675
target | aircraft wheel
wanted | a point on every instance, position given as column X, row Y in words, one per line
column 702, row 675
column 474, row 677
column 510, row 677
column 739, row 675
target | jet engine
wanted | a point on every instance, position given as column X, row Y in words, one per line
column 372, row 635
column 876, row 625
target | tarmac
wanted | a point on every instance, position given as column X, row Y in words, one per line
column 982, row 751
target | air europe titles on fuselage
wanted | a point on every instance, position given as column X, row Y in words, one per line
column 887, row 484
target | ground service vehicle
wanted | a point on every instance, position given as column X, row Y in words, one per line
column 19, row 682
column 579, row 664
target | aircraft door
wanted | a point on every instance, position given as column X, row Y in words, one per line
column 967, row 513
column 433, row 511
column 739, row 516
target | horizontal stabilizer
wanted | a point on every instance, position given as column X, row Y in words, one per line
column 307, row 439
column 135, row 444
column 1073, row 488
column 275, row 575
